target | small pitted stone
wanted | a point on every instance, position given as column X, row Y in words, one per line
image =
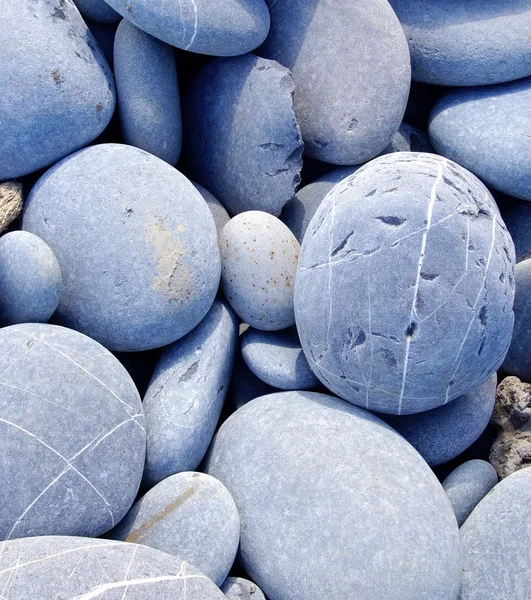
column 236, row 588
column 11, row 203
column 405, row 285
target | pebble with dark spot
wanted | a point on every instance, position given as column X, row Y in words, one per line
column 237, row 588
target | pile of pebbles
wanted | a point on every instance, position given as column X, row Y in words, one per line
column 263, row 264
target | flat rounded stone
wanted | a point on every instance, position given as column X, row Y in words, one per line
column 148, row 93
column 317, row 482
column 276, row 357
column 259, row 257
column 72, row 434
column 237, row 588
column 85, row 569
column 219, row 29
column 496, row 542
column 467, row 485
column 189, row 515
column 441, row 434
column 156, row 275
column 58, row 91
column 221, row 216
column 467, row 42
column 518, row 359
column 30, row 279
column 486, row 130
column 242, row 141
column 405, row 287
column 186, row 393
column 97, row 10
column 350, row 96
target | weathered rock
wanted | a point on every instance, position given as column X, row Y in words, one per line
column 405, row 287
column 11, row 203
column 236, row 588
column 511, row 450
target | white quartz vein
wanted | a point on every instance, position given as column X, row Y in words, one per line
column 192, row 40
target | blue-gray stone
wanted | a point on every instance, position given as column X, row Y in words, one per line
column 220, row 29
column 405, row 287
column 136, row 243
column 518, row 359
column 241, row 139
column 259, row 257
column 72, row 434
column 186, row 394
column 518, row 221
column 409, row 139
column 148, row 93
column 221, row 216
column 189, row 515
column 104, row 34
column 496, row 542
column 487, row 130
column 58, row 92
column 237, row 588
column 351, row 69
column 298, row 212
column 333, row 500
column 97, row 10
column 30, row 279
column 276, row 357
column 245, row 385
column 49, row 568
column 441, row 434
column 467, row 42
column 467, row 485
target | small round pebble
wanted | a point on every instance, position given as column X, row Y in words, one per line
column 276, row 357
column 237, row 588
column 189, row 515
column 98, row 11
column 259, row 257
column 30, row 279
column 221, row 216
column 467, row 485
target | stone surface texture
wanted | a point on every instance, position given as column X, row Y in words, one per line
column 11, row 203
column 237, row 588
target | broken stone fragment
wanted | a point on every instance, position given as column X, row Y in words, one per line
column 11, row 202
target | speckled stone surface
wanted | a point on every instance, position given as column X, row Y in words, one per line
column 467, row 485
column 487, row 130
column 467, row 42
column 241, row 139
column 189, row 515
column 259, row 257
column 405, row 286
column 496, row 542
column 220, row 29
column 443, row 433
column 58, row 92
column 349, row 97
column 11, row 202
column 237, row 588
column 30, row 279
column 221, row 216
column 326, row 487
column 97, row 10
column 276, row 357
column 518, row 359
column 186, row 394
column 72, row 436
column 78, row 568
column 148, row 93
column 157, row 273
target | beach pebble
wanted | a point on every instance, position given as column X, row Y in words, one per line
column 11, row 202
column 58, row 92
column 441, row 434
column 157, row 273
column 318, row 482
column 148, row 93
column 186, row 393
column 245, row 385
column 30, row 279
column 219, row 29
column 259, row 257
column 405, row 285
column 467, row 42
column 97, row 10
column 487, row 130
column 276, row 357
column 79, row 568
column 221, row 216
column 72, row 434
column 241, row 139
column 189, row 515
column 351, row 69
column 237, row 588
column 496, row 543
column 467, row 485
